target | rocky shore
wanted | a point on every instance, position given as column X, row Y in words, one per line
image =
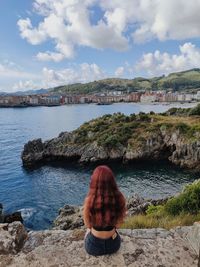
column 126, row 139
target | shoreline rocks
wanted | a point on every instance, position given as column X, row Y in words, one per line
column 159, row 145
column 70, row 217
column 9, row 218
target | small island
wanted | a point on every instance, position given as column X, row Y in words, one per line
column 173, row 136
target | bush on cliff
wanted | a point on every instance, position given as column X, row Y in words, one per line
column 195, row 110
column 182, row 127
column 112, row 131
column 183, row 209
column 186, row 202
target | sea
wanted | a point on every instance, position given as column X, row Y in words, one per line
column 39, row 193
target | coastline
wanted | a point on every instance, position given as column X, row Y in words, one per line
column 135, row 138
column 191, row 103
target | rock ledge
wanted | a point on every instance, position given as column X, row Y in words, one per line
column 145, row 247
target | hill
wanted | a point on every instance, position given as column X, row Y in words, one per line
column 187, row 81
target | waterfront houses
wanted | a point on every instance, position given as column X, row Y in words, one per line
column 99, row 98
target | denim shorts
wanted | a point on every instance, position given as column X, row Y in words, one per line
column 97, row 246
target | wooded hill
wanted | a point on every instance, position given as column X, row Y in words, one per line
column 187, row 81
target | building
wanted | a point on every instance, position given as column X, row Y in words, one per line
column 148, row 97
column 50, row 100
column 198, row 96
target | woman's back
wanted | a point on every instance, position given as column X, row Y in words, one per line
column 104, row 211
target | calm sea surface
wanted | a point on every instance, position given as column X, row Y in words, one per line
column 40, row 193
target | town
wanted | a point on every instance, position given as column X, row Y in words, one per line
column 108, row 97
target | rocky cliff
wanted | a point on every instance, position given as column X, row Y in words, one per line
column 142, row 137
column 139, row 248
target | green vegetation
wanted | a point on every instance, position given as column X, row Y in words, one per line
column 195, row 111
column 181, row 81
column 167, row 222
column 186, row 202
column 183, row 209
column 184, row 111
column 111, row 131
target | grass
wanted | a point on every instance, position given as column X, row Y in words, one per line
column 143, row 221
column 180, row 210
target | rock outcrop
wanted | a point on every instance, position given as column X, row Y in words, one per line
column 12, row 238
column 139, row 248
column 69, row 217
column 138, row 205
column 139, row 139
column 9, row 218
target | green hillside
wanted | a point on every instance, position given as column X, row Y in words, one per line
column 187, row 81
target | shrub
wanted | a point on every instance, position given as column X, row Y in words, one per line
column 182, row 127
column 195, row 110
column 155, row 210
column 188, row 201
column 143, row 117
column 172, row 111
column 108, row 140
column 132, row 117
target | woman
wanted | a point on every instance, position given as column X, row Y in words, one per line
column 104, row 211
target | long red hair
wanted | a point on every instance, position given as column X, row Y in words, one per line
column 104, row 205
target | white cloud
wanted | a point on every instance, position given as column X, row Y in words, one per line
column 11, row 70
column 33, row 36
column 25, row 85
column 119, row 71
column 79, row 74
column 158, row 63
column 69, row 24
column 13, row 79
column 169, row 19
column 50, row 56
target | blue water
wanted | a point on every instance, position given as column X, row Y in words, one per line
column 38, row 194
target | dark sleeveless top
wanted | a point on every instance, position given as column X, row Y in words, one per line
column 106, row 228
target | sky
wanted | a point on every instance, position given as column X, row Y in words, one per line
column 47, row 43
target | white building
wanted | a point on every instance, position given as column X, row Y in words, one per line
column 198, row 96
column 147, row 98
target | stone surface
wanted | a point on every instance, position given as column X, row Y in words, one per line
column 192, row 235
column 12, row 237
column 69, row 217
column 139, row 248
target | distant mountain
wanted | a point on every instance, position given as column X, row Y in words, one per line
column 188, row 81
column 184, row 81
column 3, row 93
column 29, row 92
